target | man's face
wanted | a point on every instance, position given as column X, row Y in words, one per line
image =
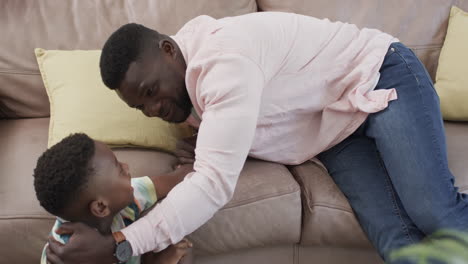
column 155, row 84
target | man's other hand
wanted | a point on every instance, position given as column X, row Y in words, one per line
column 185, row 150
column 85, row 246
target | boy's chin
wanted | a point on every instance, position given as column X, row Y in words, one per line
column 130, row 201
column 124, row 204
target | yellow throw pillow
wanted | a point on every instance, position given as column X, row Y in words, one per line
column 452, row 72
column 79, row 102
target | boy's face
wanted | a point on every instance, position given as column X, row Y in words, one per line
column 111, row 180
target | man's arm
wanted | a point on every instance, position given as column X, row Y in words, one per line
column 231, row 107
column 164, row 183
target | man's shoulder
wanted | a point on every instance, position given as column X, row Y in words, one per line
column 195, row 23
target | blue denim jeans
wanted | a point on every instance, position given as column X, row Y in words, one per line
column 394, row 169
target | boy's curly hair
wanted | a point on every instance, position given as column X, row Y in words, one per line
column 62, row 172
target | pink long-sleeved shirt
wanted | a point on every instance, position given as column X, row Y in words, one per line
column 276, row 86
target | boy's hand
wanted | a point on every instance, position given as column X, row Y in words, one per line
column 179, row 253
column 164, row 183
column 185, row 247
column 185, row 150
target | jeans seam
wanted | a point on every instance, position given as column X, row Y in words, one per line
column 392, row 194
column 387, row 176
column 438, row 151
column 428, row 124
column 408, row 66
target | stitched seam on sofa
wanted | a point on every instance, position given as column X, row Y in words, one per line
column 296, row 172
column 296, row 255
column 304, row 190
column 26, row 217
column 311, row 203
column 329, row 206
column 321, row 168
column 290, row 190
column 5, row 71
column 270, row 197
column 305, row 195
column 353, row 249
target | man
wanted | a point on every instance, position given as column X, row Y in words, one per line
column 285, row 88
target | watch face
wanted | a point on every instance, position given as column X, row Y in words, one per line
column 124, row 251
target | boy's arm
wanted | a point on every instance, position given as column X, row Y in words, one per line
column 164, row 183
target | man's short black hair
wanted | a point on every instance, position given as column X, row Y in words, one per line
column 62, row 172
column 124, row 46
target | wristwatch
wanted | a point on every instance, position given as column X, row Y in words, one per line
column 123, row 250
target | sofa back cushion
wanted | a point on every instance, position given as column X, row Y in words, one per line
column 420, row 24
column 76, row 24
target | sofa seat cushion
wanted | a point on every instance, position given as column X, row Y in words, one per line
column 24, row 225
column 265, row 210
column 328, row 219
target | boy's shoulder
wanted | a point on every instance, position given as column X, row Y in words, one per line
column 144, row 194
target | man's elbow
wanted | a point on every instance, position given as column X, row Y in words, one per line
column 227, row 194
column 219, row 189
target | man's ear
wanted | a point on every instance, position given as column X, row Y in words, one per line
column 99, row 208
column 167, row 47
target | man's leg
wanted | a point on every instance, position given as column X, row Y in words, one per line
column 410, row 138
column 357, row 169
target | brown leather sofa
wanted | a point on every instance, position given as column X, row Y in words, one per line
column 278, row 214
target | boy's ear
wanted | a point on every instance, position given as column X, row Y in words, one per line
column 99, row 208
column 166, row 46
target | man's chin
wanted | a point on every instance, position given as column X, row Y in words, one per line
column 180, row 118
column 178, row 121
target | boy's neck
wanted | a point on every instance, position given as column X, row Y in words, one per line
column 104, row 225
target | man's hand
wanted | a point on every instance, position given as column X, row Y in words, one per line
column 185, row 150
column 86, row 246
column 183, row 169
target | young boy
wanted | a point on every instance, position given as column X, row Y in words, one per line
column 81, row 180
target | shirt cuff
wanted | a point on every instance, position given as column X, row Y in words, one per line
column 152, row 233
